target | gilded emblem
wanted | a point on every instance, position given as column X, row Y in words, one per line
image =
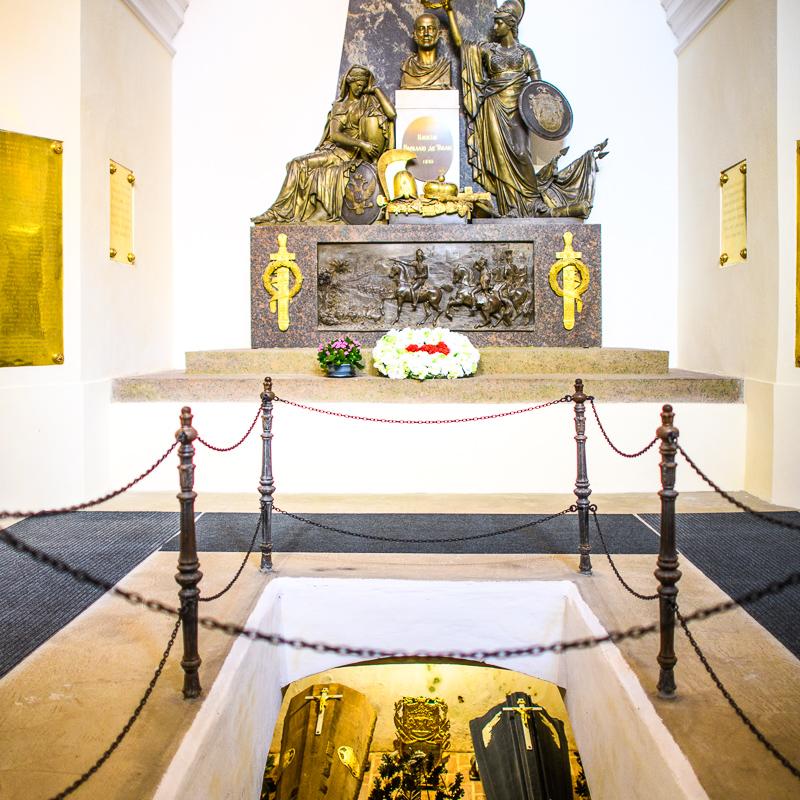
column 348, row 757
column 574, row 280
column 547, row 110
column 276, row 281
column 358, row 195
column 422, row 724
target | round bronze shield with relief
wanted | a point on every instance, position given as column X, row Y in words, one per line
column 545, row 110
column 360, row 204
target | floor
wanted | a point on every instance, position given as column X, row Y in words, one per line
column 66, row 702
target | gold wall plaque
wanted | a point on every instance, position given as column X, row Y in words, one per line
column 31, row 257
column 120, row 246
column 733, row 214
column 797, row 246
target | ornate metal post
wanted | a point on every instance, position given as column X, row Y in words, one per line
column 266, row 486
column 188, row 575
column 667, row 572
column 582, row 490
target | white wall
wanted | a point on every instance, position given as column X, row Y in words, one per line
column 253, row 83
column 89, row 73
column 740, row 320
column 786, row 466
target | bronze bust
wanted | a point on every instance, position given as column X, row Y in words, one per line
column 426, row 70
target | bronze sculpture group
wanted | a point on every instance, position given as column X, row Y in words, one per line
column 502, row 95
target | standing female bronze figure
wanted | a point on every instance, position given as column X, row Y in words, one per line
column 359, row 128
column 493, row 75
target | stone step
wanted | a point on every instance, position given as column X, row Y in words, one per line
column 669, row 387
column 494, row 361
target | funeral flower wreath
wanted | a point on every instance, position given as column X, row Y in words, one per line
column 423, row 353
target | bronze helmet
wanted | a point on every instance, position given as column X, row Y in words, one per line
column 515, row 9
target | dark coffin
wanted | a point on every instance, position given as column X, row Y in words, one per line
column 514, row 765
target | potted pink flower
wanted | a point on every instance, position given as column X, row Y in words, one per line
column 340, row 357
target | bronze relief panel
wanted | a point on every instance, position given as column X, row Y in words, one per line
column 463, row 286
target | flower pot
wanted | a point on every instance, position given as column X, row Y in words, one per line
column 342, row 371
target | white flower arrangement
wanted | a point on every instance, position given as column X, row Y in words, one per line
column 425, row 353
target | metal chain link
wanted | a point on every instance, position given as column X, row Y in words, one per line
column 759, row 514
column 610, row 443
column 733, row 704
column 374, row 538
column 233, row 446
column 593, row 509
column 233, row 629
column 499, row 415
column 52, row 512
column 238, row 571
column 128, row 725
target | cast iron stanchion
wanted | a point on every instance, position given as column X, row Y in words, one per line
column 667, row 573
column 266, row 486
column 188, row 575
column 582, row 490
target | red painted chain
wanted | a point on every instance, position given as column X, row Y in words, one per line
column 233, row 446
column 611, row 444
column 499, row 415
column 52, row 512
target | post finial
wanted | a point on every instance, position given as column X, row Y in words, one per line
column 267, row 395
column 186, row 433
column 579, row 396
column 667, row 431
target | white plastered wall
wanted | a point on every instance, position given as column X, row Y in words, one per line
column 738, row 87
column 253, row 82
column 91, row 74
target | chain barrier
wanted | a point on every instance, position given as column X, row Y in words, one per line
column 128, row 725
column 593, row 509
column 52, row 512
column 238, row 571
column 499, row 415
column 759, row 514
column 233, row 446
column 233, row 629
column 445, row 540
column 733, row 704
column 610, row 443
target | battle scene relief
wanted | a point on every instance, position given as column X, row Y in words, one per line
column 467, row 286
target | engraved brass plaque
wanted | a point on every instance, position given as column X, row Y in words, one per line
column 733, row 215
column 120, row 247
column 31, row 258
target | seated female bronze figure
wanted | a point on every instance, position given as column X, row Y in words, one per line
column 359, row 128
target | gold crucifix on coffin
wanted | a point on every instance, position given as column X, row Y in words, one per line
column 322, row 699
column 525, row 713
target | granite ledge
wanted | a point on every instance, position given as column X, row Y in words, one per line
column 674, row 386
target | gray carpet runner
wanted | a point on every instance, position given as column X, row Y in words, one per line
column 736, row 551
column 739, row 552
column 36, row 601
